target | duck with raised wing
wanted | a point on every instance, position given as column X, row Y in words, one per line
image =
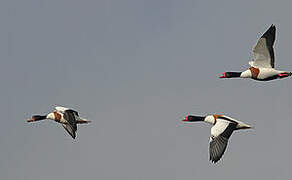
column 223, row 127
column 65, row 116
column 263, row 64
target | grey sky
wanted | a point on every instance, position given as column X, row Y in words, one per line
column 136, row 68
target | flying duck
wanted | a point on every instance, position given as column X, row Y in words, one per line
column 223, row 126
column 263, row 64
column 65, row 116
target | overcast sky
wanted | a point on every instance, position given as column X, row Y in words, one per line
column 136, row 68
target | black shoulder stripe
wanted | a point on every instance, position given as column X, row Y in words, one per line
column 229, row 130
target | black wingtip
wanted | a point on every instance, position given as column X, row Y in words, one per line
column 270, row 35
column 214, row 160
column 272, row 28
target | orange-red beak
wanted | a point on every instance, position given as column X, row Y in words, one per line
column 186, row 119
column 223, row 75
column 31, row 120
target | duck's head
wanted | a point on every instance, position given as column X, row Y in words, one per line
column 191, row 119
column 230, row 75
column 36, row 118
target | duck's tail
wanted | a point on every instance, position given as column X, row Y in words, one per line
column 82, row 121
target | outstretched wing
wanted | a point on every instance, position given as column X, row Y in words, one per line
column 217, row 148
column 263, row 52
column 63, row 109
column 69, row 116
column 220, row 134
column 69, row 129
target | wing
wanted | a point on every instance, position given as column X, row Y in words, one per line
column 69, row 115
column 220, row 133
column 263, row 52
column 69, row 129
column 217, row 148
column 63, row 109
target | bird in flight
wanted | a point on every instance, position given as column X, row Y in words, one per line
column 223, row 127
column 262, row 67
column 65, row 116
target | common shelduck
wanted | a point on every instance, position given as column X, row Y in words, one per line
column 223, row 126
column 65, row 116
column 262, row 66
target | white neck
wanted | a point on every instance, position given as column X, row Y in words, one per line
column 246, row 74
column 51, row 116
column 210, row 119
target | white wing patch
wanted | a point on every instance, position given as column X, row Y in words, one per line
column 261, row 55
column 61, row 109
column 218, row 128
